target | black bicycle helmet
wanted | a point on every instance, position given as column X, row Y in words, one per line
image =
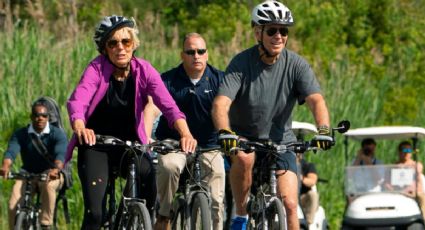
column 106, row 26
column 271, row 12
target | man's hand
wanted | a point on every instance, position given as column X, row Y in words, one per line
column 53, row 174
column 228, row 140
column 323, row 140
column 4, row 172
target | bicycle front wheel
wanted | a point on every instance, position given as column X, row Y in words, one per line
column 138, row 217
column 24, row 222
column 201, row 215
column 276, row 215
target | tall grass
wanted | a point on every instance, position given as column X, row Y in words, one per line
column 35, row 63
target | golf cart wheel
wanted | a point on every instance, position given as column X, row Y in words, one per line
column 415, row 226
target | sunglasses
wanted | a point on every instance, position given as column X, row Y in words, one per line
column 272, row 31
column 407, row 150
column 45, row 115
column 194, row 51
column 126, row 42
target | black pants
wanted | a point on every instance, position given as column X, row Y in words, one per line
column 94, row 165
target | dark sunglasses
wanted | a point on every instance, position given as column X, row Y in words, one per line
column 272, row 31
column 126, row 42
column 193, row 52
column 40, row 115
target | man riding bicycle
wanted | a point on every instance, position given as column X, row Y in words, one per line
column 33, row 161
column 255, row 101
column 193, row 85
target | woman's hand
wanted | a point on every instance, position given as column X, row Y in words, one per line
column 188, row 144
column 84, row 135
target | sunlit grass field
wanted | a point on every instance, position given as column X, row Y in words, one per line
column 33, row 63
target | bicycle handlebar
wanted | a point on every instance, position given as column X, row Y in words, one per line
column 23, row 175
column 159, row 146
column 298, row 147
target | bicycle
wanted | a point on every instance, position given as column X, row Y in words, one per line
column 265, row 208
column 27, row 213
column 192, row 202
column 132, row 212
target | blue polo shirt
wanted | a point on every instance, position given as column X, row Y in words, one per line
column 195, row 101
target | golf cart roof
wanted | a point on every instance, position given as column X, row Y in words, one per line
column 386, row 132
column 303, row 128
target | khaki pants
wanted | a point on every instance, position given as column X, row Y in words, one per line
column 47, row 197
column 171, row 165
column 309, row 203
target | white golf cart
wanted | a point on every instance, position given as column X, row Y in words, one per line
column 301, row 129
column 382, row 196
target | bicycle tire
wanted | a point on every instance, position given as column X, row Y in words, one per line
column 23, row 222
column 138, row 217
column 180, row 215
column 276, row 215
column 200, row 213
column 178, row 220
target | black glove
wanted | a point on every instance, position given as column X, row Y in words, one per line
column 228, row 140
column 323, row 140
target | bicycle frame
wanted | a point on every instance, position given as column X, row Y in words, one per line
column 131, row 190
column 191, row 186
column 264, row 195
column 28, row 205
column 130, row 195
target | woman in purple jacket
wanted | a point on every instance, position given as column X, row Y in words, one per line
column 109, row 100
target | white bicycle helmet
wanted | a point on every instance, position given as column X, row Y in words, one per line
column 271, row 12
column 106, row 26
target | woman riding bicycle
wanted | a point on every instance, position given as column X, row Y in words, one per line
column 109, row 100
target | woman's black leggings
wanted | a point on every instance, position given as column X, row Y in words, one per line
column 94, row 165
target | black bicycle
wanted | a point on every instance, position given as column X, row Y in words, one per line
column 27, row 213
column 265, row 208
column 132, row 212
column 191, row 207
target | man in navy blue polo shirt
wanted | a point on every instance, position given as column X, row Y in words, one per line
column 193, row 85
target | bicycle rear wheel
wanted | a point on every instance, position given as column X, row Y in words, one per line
column 201, row 215
column 138, row 217
column 276, row 215
column 25, row 222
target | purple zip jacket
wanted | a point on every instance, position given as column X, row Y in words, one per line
column 95, row 82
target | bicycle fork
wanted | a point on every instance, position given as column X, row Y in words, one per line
column 273, row 192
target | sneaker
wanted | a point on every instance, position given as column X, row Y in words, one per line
column 239, row 223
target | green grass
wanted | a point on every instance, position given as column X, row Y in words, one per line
column 34, row 63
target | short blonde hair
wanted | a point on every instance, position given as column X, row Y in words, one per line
column 133, row 34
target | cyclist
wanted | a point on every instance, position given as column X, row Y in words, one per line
column 109, row 100
column 34, row 162
column 193, row 85
column 256, row 99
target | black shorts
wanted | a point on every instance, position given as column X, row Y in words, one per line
column 284, row 161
